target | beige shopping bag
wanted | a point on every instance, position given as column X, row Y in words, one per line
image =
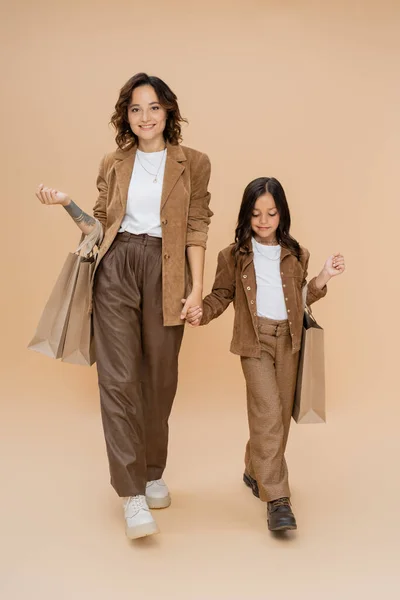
column 78, row 347
column 309, row 403
column 50, row 333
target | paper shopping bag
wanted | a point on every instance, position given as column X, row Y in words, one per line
column 53, row 325
column 309, row 403
column 50, row 333
column 78, row 347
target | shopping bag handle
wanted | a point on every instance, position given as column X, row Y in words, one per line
column 304, row 296
column 89, row 241
column 307, row 308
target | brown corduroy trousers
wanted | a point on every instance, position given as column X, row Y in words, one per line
column 270, row 383
column 137, row 361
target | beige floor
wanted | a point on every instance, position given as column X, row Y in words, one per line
column 305, row 91
column 62, row 528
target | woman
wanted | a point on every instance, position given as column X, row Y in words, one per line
column 153, row 205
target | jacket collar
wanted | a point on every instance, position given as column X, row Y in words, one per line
column 173, row 170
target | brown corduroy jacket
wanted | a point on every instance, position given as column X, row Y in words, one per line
column 237, row 283
column 185, row 214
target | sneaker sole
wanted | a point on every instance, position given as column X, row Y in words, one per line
column 133, row 533
column 158, row 502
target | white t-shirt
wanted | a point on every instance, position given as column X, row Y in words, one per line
column 144, row 195
column 270, row 299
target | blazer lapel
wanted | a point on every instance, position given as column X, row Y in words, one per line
column 123, row 170
column 173, row 170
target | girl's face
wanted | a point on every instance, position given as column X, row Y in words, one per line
column 146, row 116
column 265, row 219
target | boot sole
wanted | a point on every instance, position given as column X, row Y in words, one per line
column 133, row 533
column 248, row 482
column 158, row 502
column 283, row 528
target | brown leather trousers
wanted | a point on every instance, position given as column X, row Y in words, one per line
column 137, row 361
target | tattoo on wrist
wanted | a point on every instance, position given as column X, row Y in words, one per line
column 78, row 215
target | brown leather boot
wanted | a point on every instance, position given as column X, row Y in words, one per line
column 280, row 516
column 252, row 484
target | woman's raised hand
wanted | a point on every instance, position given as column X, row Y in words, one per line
column 51, row 196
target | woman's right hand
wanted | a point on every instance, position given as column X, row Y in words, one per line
column 51, row 196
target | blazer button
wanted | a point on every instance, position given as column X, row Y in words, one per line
column 286, row 299
column 251, row 301
column 284, row 285
column 244, row 276
column 288, row 310
column 166, row 256
column 164, row 221
column 248, row 288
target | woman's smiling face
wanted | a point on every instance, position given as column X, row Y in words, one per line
column 146, row 116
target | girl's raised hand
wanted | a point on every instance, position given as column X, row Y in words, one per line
column 51, row 196
column 334, row 265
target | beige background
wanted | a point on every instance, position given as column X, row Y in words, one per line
column 307, row 92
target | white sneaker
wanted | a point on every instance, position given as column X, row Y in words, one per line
column 138, row 518
column 157, row 494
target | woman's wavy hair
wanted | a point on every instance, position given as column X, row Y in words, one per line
column 125, row 137
column 243, row 232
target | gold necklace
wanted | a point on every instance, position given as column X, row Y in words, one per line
column 258, row 251
column 155, row 175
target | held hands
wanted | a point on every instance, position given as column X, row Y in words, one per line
column 51, row 196
column 192, row 308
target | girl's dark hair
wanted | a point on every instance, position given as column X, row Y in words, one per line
column 125, row 137
column 243, row 232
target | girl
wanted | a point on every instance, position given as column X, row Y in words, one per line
column 153, row 205
column 264, row 273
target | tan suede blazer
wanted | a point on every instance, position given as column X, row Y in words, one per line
column 237, row 283
column 185, row 214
